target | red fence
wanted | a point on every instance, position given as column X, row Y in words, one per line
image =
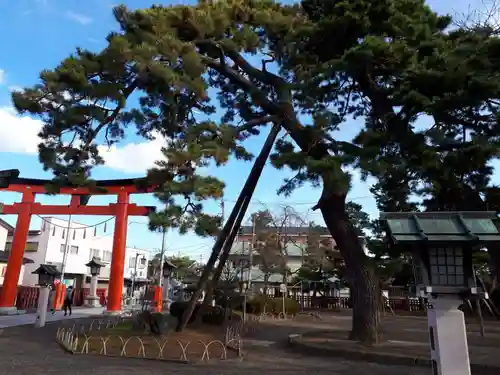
column 27, row 297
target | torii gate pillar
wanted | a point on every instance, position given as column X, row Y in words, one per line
column 115, row 291
column 15, row 262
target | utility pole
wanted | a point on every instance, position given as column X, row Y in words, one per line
column 162, row 254
column 250, row 252
column 222, row 209
column 66, row 250
column 250, row 261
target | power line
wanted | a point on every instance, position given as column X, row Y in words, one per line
column 74, row 228
column 297, row 203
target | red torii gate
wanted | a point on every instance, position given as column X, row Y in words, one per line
column 121, row 210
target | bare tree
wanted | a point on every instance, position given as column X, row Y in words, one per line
column 230, row 274
column 275, row 236
column 483, row 16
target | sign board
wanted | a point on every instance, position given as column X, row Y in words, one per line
column 283, row 288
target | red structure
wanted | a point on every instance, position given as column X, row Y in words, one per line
column 122, row 209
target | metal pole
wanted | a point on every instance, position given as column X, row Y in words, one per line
column 66, row 250
column 250, row 255
column 133, row 276
column 284, row 312
column 301, row 297
column 160, row 283
column 162, row 254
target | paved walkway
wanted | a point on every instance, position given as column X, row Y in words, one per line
column 23, row 319
column 27, row 351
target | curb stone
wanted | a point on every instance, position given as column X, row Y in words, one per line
column 295, row 343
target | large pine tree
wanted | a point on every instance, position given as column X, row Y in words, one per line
column 384, row 61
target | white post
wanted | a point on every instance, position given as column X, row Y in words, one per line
column 93, row 285
column 165, row 286
column 43, row 301
column 93, row 299
column 448, row 337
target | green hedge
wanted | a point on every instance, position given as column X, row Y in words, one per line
column 272, row 305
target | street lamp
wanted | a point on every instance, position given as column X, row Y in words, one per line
column 442, row 245
column 95, row 265
column 143, row 261
column 46, row 276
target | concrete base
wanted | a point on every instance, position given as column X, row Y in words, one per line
column 112, row 313
column 11, row 311
column 92, row 302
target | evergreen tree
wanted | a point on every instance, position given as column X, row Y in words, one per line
column 387, row 61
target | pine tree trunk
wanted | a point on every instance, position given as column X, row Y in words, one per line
column 365, row 286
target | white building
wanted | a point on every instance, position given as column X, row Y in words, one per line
column 4, row 232
column 46, row 246
column 5, row 228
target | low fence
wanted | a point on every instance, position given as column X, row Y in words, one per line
column 396, row 304
column 27, row 298
column 84, row 338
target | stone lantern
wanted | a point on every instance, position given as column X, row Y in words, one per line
column 441, row 245
column 95, row 265
column 167, row 269
column 46, row 276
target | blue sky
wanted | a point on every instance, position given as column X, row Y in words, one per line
column 37, row 35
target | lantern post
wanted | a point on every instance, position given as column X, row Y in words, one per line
column 441, row 245
column 167, row 269
column 46, row 276
column 95, row 265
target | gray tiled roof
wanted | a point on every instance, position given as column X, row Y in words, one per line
column 4, row 258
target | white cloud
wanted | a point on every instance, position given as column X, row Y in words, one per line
column 20, row 135
column 133, row 157
column 80, row 18
column 15, row 88
column 2, row 76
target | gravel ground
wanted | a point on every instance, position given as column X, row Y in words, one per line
column 26, row 351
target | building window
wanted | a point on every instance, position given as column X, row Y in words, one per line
column 30, row 246
column 106, row 256
column 62, row 248
column 73, row 250
column 95, row 253
column 141, row 261
column 63, row 232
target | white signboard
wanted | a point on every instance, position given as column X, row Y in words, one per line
column 283, row 288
